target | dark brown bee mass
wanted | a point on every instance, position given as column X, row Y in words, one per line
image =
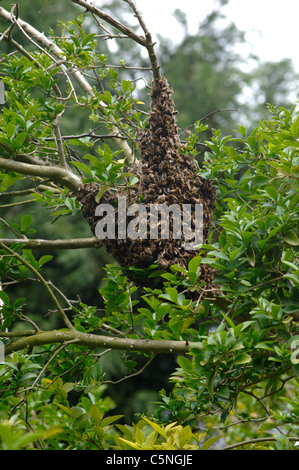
column 164, row 176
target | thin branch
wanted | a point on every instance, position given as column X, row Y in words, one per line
column 59, row 142
column 134, row 374
column 206, row 116
column 149, row 44
column 24, row 192
column 112, row 21
column 43, row 282
column 92, row 135
column 257, row 441
column 145, row 41
column 13, row 204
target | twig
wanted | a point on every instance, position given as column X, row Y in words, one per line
column 59, row 141
column 134, row 374
column 91, row 135
column 206, row 116
column 13, row 204
column 256, row 441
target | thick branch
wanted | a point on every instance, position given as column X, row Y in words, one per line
column 97, row 341
column 71, row 244
column 54, row 173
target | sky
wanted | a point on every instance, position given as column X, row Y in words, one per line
column 271, row 25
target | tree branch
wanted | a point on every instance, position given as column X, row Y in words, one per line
column 41, row 244
column 77, row 75
column 59, row 142
column 145, row 41
column 43, row 282
column 112, row 21
column 257, row 441
column 54, row 173
column 149, row 44
column 98, row 341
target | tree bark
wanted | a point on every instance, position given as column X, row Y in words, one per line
column 97, row 341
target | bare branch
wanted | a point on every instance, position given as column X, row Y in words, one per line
column 112, row 21
column 97, row 341
column 134, row 374
column 149, row 44
column 59, row 142
column 256, row 441
column 41, row 244
column 92, row 135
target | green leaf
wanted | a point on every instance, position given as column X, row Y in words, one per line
column 26, row 221
column 228, row 320
column 295, row 171
column 184, row 363
column 194, row 264
column 110, row 419
column 209, row 442
column 219, row 254
column 125, row 86
column 10, row 130
column 87, row 39
column 151, row 439
column 185, row 436
column 156, row 427
column 44, row 259
column 96, row 414
column 4, row 297
column 242, row 359
column 102, row 191
column 82, row 167
column 291, row 238
column 139, row 437
column 264, row 346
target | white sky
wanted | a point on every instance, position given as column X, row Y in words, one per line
column 271, row 25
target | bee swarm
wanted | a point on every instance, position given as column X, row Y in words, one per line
column 164, row 176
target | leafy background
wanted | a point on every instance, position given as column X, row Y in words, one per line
column 253, row 245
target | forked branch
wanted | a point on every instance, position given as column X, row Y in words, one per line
column 58, row 57
column 145, row 41
column 149, row 44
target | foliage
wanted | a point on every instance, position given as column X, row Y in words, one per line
column 235, row 384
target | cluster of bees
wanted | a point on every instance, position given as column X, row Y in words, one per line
column 165, row 176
